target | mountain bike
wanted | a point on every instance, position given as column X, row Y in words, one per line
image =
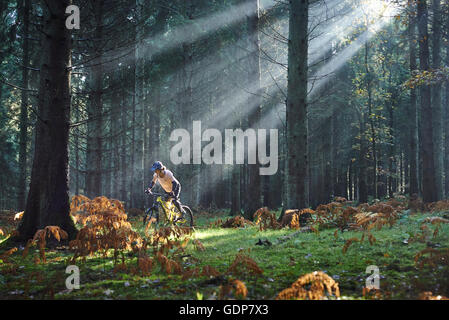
column 165, row 212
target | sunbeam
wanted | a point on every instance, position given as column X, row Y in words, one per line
column 201, row 27
column 322, row 75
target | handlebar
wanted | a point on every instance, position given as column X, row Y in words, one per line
column 165, row 196
column 156, row 194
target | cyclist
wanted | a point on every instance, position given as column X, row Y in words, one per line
column 167, row 181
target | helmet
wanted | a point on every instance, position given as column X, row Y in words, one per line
column 157, row 165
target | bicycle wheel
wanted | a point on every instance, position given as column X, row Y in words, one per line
column 187, row 219
column 149, row 214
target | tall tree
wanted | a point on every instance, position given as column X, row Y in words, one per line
column 362, row 190
column 138, row 125
column 95, row 108
column 25, row 10
column 446, row 115
column 254, row 192
column 426, row 132
column 48, row 198
column 371, row 118
column 297, row 123
column 437, row 97
column 413, row 124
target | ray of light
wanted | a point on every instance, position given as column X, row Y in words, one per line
column 201, row 27
column 275, row 117
column 322, row 75
column 333, row 33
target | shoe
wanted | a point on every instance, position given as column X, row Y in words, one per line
column 181, row 217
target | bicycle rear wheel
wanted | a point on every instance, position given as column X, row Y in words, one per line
column 187, row 219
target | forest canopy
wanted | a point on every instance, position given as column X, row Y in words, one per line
column 138, row 72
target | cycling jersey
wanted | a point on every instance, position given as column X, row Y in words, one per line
column 166, row 181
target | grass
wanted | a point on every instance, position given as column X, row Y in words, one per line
column 291, row 255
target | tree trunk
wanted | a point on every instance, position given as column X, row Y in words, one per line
column 391, row 155
column 48, row 198
column 437, row 98
column 328, row 147
column 297, row 123
column 413, row 158
column 114, row 139
column 123, row 150
column 362, row 190
column 429, row 188
column 333, row 155
column 253, row 193
column 138, row 124
column 371, row 120
column 350, row 182
column 446, row 127
column 95, row 125
column 77, row 153
column 235, row 190
column 23, row 138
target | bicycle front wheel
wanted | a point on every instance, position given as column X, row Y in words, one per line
column 150, row 214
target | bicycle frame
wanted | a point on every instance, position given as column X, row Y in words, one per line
column 167, row 206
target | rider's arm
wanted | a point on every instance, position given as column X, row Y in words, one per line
column 153, row 181
column 174, row 185
column 175, row 189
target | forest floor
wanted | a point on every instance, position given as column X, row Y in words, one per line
column 287, row 255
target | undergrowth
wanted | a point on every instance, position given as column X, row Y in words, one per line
column 307, row 254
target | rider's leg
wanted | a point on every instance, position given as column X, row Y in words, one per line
column 176, row 192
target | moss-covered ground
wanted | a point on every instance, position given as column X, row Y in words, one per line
column 290, row 255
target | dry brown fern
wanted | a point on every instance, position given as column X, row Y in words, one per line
column 167, row 238
column 236, row 222
column 233, row 287
column 240, row 289
column 438, row 206
column 416, row 204
column 168, row 243
column 199, row 245
column 295, row 218
column 168, row 265
column 105, row 228
column 244, row 264
column 436, row 221
column 209, row 271
column 428, row 295
column 432, row 257
column 348, row 244
column 340, row 199
column 5, row 255
column 39, row 239
column 364, row 218
column 265, row 219
column 372, row 293
column 318, row 283
column 189, row 273
column 398, row 202
column 215, row 224
column 424, row 233
column 329, row 215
